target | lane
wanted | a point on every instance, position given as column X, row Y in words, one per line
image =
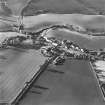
column 70, row 84
column 18, row 67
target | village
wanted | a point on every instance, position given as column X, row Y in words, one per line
column 51, row 47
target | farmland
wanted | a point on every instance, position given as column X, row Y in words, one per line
column 72, row 83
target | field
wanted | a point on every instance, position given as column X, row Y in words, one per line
column 67, row 6
column 34, row 7
column 73, row 84
column 82, row 41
